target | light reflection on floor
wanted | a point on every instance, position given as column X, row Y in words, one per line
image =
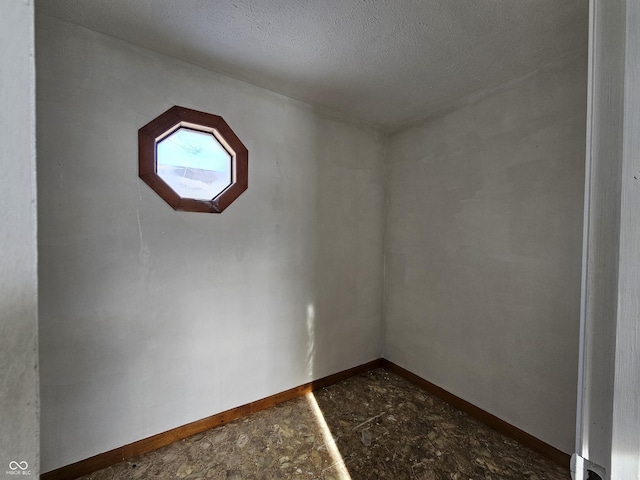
column 332, row 448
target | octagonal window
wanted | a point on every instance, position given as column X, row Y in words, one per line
column 193, row 160
column 194, row 164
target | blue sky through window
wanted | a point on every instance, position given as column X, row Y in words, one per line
column 193, row 149
column 193, row 164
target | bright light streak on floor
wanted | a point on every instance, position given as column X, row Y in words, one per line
column 332, row 448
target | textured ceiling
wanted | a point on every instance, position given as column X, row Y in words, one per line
column 385, row 62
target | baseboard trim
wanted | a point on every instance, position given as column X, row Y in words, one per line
column 524, row 438
column 146, row 445
column 117, row 455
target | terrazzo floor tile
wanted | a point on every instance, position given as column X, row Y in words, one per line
column 372, row 426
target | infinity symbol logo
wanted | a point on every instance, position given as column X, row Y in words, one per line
column 18, row 465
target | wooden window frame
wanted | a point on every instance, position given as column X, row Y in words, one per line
column 178, row 117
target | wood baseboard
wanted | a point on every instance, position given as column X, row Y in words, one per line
column 160, row 440
column 117, row 455
column 535, row 444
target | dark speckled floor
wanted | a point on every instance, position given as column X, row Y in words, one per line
column 373, row 426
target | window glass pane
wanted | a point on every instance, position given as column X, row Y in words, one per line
column 194, row 164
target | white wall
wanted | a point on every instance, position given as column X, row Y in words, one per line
column 483, row 250
column 152, row 318
column 18, row 282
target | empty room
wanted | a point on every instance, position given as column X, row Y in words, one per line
column 336, row 239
